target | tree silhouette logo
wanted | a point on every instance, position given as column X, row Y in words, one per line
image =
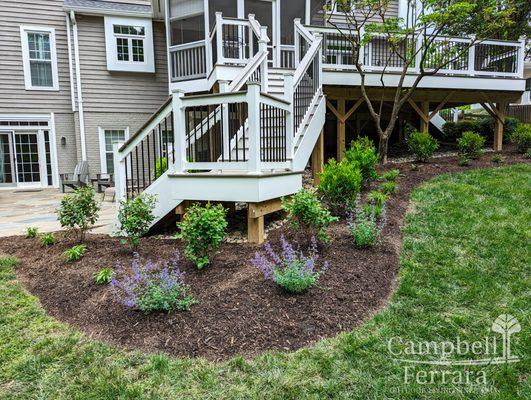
column 506, row 325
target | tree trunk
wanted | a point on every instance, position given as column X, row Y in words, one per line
column 382, row 148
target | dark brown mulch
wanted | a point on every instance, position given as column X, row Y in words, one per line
column 237, row 311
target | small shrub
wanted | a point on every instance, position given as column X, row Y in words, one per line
column 103, row 276
column 391, row 175
column 364, row 227
column 339, row 183
column 377, row 198
column 306, row 212
column 135, row 217
column 362, row 154
column 151, row 287
column 48, row 239
column 203, row 228
column 422, row 145
column 75, row 253
column 31, row 232
column 369, row 209
column 470, row 145
column 161, row 166
column 497, row 159
column 464, row 161
column 291, row 270
column 522, row 137
column 79, row 211
column 528, row 154
column 389, row 187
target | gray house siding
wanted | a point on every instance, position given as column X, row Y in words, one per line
column 67, row 155
column 339, row 18
column 105, row 91
column 14, row 98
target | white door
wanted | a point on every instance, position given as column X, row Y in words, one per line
column 267, row 14
column 7, row 160
column 29, row 158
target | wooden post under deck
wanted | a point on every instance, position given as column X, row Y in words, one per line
column 255, row 219
column 318, row 158
column 424, row 124
column 340, row 129
column 498, row 126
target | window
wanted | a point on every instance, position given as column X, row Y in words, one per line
column 108, row 137
column 39, row 58
column 129, row 44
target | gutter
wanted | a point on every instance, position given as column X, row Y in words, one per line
column 79, row 91
column 102, row 12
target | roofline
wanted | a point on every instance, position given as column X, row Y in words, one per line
column 100, row 12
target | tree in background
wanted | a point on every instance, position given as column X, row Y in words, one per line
column 410, row 42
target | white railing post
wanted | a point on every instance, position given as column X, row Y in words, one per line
column 361, row 55
column 253, row 107
column 419, row 44
column 262, row 46
column 219, row 37
column 472, row 57
column 224, row 88
column 290, row 131
column 120, row 183
column 319, row 36
column 521, row 59
column 297, row 42
column 179, row 122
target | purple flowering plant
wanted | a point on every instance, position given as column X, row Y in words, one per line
column 367, row 223
column 151, row 286
column 291, row 269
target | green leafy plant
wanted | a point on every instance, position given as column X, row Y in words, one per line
column 362, row 154
column 422, row 145
column 161, row 166
column 135, row 217
column 339, row 183
column 75, row 252
column 470, row 145
column 522, row 137
column 377, row 198
column 464, row 161
column 389, row 187
column 528, row 153
column 103, row 276
column 497, row 159
column 48, row 239
column 391, row 175
column 306, row 212
column 203, row 228
column 366, row 227
column 31, row 232
column 78, row 211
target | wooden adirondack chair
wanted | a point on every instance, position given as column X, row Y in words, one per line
column 78, row 178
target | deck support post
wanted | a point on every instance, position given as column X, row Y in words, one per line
column 318, row 158
column 255, row 218
column 498, row 127
column 340, row 129
column 424, row 120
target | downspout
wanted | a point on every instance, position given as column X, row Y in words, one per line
column 79, row 92
column 70, row 66
column 167, row 23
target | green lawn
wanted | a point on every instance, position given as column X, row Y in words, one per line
column 466, row 259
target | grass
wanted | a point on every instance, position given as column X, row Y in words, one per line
column 466, row 259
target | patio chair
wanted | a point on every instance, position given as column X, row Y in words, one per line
column 78, row 179
column 103, row 181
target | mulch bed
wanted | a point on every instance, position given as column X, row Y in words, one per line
column 237, row 311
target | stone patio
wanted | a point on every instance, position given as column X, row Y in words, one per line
column 21, row 208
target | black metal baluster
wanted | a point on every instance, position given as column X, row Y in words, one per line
column 148, row 158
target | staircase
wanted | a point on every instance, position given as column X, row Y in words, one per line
column 248, row 143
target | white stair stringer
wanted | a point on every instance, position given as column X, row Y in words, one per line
column 162, row 189
column 309, row 135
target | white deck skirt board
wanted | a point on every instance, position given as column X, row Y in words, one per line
column 236, row 187
column 344, row 78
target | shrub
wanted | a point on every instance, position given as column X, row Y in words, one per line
column 79, row 211
column 389, row 187
column 470, row 145
column 497, row 158
column 31, row 232
column 48, row 239
column 75, row 253
column 291, row 270
column 135, row 217
column 377, row 198
column 422, row 145
column 522, row 137
column 161, row 166
column 340, row 183
column 305, row 211
column 464, row 161
column 365, row 227
column 528, row 153
column 150, row 287
column 362, row 154
column 103, row 276
column 203, row 228
column 391, row 175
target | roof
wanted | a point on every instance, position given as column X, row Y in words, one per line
column 108, row 7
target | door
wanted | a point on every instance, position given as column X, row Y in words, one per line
column 28, row 157
column 7, row 160
column 266, row 13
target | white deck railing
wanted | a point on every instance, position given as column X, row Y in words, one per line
column 188, row 61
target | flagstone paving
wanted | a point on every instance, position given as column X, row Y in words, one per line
column 21, row 208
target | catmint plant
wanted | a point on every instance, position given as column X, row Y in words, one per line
column 291, row 269
column 149, row 286
column 366, row 225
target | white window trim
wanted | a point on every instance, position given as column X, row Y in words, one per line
column 148, row 65
column 103, row 158
column 24, row 29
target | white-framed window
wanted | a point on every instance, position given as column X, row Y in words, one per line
column 39, row 58
column 108, row 137
column 129, row 44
